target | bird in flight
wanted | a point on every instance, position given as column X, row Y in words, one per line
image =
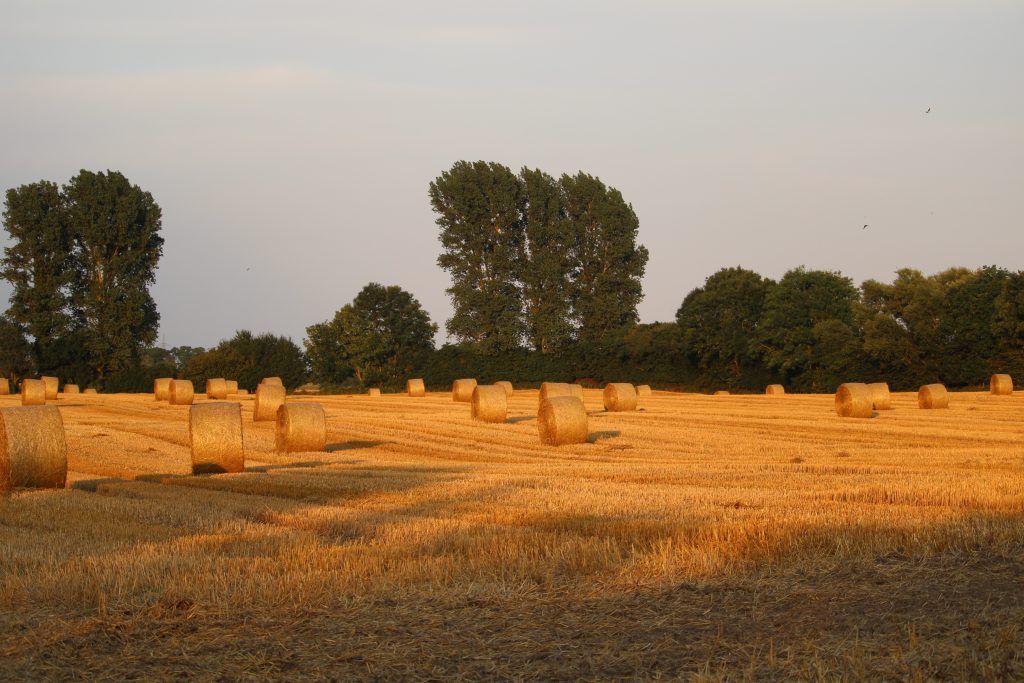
column 928, row 110
column 865, row 227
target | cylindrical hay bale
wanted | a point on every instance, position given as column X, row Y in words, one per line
column 90, row 391
column 507, row 386
column 301, row 427
column 1000, row 385
column 232, row 386
column 269, row 397
column 415, row 388
column 272, row 380
column 52, row 387
column 32, row 448
column 554, row 389
column 181, row 393
column 5, row 387
column 71, row 389
column 619, row 397
column 932, row 396
column 854, row 400
column 462, row 390
column 242, row 392
column 643, row 390
column 162, row 388
column 489, row 403
column 775, row 390
column 215, row 430
column 373, row 391
column 33, row 392
column 721, row 392
column 217, row 388
column 562, row 420
column 880, row 395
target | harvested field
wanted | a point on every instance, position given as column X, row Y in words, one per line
column 716, row 538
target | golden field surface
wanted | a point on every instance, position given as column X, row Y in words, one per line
column 701, row 537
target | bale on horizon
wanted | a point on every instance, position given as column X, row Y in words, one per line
column 643, row 390
column 182, row 393
column 462, row 390
column 232, row 386
column 619, row 397
column 932, row 396
column 33, row 392
column 5, row 387
column 217, row 388
column 415, row 388
column 71, row 389
column 272, row 380
column 373, row 392
column 33, row 450
column 775, row 390
column 52, row 385
column 162, row 388
column 854, row 399
column 555, row 389
column 1001, row 385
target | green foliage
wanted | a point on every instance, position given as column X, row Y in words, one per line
column 15, row 351
column 1008, row 326
column 248, row 358
column 969, row 321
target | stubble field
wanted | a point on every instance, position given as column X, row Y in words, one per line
column 707, row 538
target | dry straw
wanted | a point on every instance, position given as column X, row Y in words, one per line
column 217, row 388
column 619, row 397
column 721, row 392
column 71, row 389
column 489, row 403
column 507, row 386
column 242, row 392
column 562, row 420
column 462, row 390
column 33, row 392
column 854, row 400
column 5, row 387
column 269, row 397
column 232, row 386
column 932, row 396
column 555, row 389
column 880, row 396
column 415, row 388
column 272, row 380
column 643, row 390
column 301, row 427
column 215, row 430
column 33, row 452
column 181, row 393
column 1001, row 385
column 162, row 388
column 52, row 387
column 775, row 390
column 373, row 391
column 90, row 391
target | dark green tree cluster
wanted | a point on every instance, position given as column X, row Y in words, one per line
column 536, row 260
column 248, row 358
column 81, row 260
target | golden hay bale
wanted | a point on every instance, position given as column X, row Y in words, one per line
column 162, row 388
column 242, row 392
column 71, row 389
column 52, row 387
column 489, row 403
column 775, row 390
column 217, row 388
column 181, row 393
column 33, row 451
column 554, row 389
column 33, row 392
column 462, row 390
column 373, row 391
column 232, row 386
column 643, row 390
column 272, row 380
column 90, row 391
column 854, row 399
column 215, row 431
column 721, row 392
column 932, row 396
column 1000, row 385
column 507, row 386
column 880, row 395
column 5, row 387
column 301, row 427
column 562, row 420
column 415, row 387
column 269, row 397
column 619, row 397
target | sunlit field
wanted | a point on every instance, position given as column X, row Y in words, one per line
column 707, row 537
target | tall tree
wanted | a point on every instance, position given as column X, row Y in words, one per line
column 115, row 227
column 967, row 330
column 479, row 210
column 1008, row 326
column 606, row 286
column 15, row 350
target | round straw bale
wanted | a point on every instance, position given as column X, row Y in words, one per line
column 562, row 420
column 33, row 451
column 52, row 387
column 91, row 391
column 162, row 388
column 553, row 389
column 462, row 390
column 932, row 396
column 301, row 427
column 880, row 395
column 217, row 388
column 619, row 397
column 5, row 387
column 272, row 380
column 71, row 389
column 643, row 390
column 1000, row 385
column 489, row 403
column 232, row 386
column 775, row 390
column 33, row 392
column 507, row 386
column 181, row 393
column 373, row 391
column 269, row 397
column 721, row 392
column 415, row 387
column 853, row 399
column 215, row 430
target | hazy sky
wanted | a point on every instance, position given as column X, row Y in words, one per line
column 290, row 145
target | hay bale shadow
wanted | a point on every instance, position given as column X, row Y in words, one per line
column 520, row 418
column 594, row 437
column 352, row 445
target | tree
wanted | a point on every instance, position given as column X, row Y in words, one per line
column 15, row 351
column 1008, row 326
column 719, row 323
column 969, row 344
column 479, row 211
column 248, row 358
column 381, row 336
column 609, row 264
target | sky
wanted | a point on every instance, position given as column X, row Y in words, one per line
column 291, row 145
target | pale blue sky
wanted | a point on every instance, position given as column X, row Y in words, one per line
column 296, row 140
